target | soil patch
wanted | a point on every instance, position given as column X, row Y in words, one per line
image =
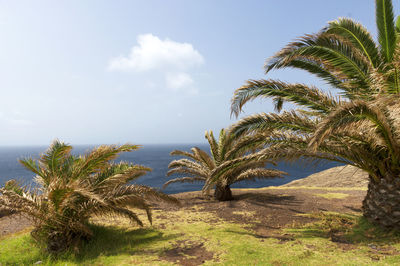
column 269, row 210
column 187, row 253
column 13, row 223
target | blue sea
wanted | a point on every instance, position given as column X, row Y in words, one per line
column 155, row 156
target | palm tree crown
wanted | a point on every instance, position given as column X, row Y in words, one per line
column 228, row 163
column 359, row 126
column 71, row 189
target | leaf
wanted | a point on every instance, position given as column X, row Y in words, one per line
column 386, row 28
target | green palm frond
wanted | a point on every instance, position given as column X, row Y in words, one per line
column 336, row 53
column 386, row 28
column 320, row 69
column 55, row 155
column 358, row 36
column 34, row 167
column 398, row 24
column 291, row 121
column 300, row 94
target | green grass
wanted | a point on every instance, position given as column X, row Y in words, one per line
column 228, row 243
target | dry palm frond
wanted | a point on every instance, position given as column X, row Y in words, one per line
column 354, row 112
column 259, row 173
column 187, row 179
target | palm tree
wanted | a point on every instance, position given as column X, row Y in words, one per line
column 229, row 162
column 71, row 189
column 358, row 127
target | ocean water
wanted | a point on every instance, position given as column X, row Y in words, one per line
column 155, row 156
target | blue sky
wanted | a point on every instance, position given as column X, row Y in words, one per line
column 92, row 72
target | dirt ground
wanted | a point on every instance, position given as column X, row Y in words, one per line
column 264, row 212
column 13, row 223
column 285, row 204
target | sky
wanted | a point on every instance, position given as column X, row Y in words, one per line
column 154, row 71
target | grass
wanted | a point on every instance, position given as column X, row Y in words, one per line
column 185, row 231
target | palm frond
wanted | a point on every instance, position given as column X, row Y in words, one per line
column 186, row 179
column 184, row 153
column 185, row 166
column 335, row 53
column 121, row 173
column 354, row 112
column 54, row 155
column 321, row 69
column 259, row 173
column 247, row 143
column 204, row 157
column 291, row 121
column 151, row 194
column 98, row 158
column 213, row 144
column 386, row 28
column 34, row 167
column 358, row 36
column 300, row 94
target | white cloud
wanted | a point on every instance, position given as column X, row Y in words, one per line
column 153, row 53
column 176, row 81
column 171, row 59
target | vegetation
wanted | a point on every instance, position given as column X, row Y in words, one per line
column 71, row 189
column 334, row 239
column 360, row 127
column 229, row 163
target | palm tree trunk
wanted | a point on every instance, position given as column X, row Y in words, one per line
column 223, row 193
column 382, row 203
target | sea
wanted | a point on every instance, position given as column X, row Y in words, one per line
column 157, row 157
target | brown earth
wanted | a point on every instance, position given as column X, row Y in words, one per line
column 13, row 223
column 327, row 191
column 269, row 209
